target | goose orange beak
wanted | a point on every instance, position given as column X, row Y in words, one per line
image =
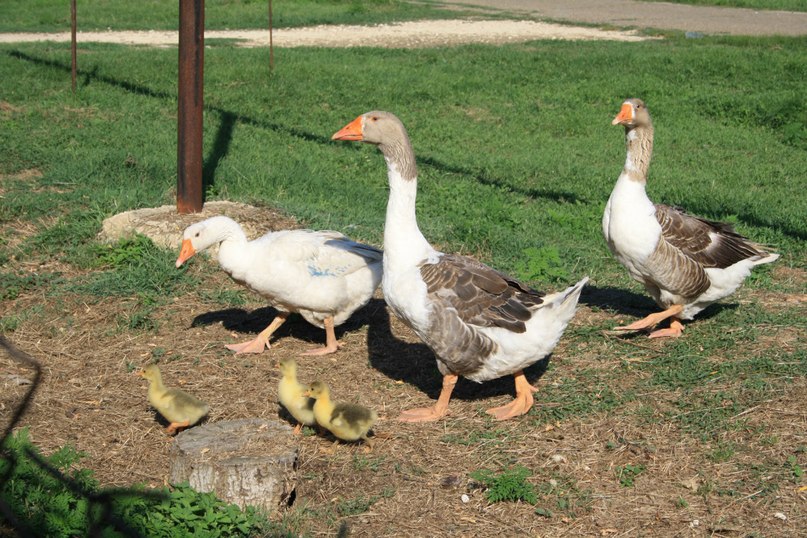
column 351, row 132
column 186, row 252
column 625, row 114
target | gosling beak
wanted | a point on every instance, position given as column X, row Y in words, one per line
column 141, row 373
column 186, row 252
column 350, row 132
column 625, row 114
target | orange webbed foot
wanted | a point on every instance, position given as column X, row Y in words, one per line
column 675, row 330
column 253, row 346
column 422, row 414
column 520, row 405
column 327, row 350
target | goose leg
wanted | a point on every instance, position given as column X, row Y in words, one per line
column 174, row 426
column 522, row 402
column 439, row 409
column 675, row 330
column 653, row 319
column 331, row 345
column 261, row 341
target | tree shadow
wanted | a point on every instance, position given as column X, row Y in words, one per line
column 104, row 513
column 415, row 363
column 230, row 118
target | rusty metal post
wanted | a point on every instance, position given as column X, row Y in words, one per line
column 73, row 63
column 191, row 100
column 271, row 45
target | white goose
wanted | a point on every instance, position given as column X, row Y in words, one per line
column 322, row 275
column 686, row 263
column 481, row 324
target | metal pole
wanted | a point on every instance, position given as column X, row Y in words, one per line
column 271, row 46
column 73, row 63
column 191, row 100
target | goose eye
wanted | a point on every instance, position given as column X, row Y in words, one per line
column 197, row 234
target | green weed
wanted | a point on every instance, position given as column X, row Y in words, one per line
column 508, row 486
column 47, row 506
column 474, row 437
column 361, row 463
column 627, row 474
column 541, row 264
column 13, row 284
column 795, row 469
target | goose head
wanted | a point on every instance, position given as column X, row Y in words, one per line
column 197, row 237
column 632, row 114
column 288, row 367
column 317, row 390
column 375, row 127
column 151, row 373
column 387, row 132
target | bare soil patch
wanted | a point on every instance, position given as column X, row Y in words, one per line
column 414, row 479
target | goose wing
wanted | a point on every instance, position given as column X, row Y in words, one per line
column 709, row 243
column 325, row 252
column 481, row 296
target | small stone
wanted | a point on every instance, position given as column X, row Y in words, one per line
column 465, row 498
column 694, row 523
column 558, row 458
column 780, row 515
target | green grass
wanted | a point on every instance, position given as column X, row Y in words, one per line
column 54, row 15
column 69, row 502
column 516, row 152
column 787, row 5
column 517, row 159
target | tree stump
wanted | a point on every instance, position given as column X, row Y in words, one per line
column 245, row 462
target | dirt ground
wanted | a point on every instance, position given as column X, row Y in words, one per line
column 415, row 480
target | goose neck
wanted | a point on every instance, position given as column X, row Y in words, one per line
column 639, row 143
column 402, row 236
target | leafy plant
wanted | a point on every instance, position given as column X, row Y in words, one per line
column 795, row 468
column 57, row 499
column 627, row 474
column 13, row 284
column 510, row 485
column 541, row 264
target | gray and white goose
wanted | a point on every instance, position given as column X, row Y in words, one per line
column 686, row 263
column 480, row 323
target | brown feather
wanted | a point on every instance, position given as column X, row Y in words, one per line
column 709, row 243
column 481, row 296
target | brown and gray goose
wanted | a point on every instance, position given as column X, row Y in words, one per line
column 480, row 323
column 686, row 263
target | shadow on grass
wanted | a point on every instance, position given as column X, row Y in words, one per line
column 415, row 364
column 103, row 512
column 230, row 118
column 627, row 303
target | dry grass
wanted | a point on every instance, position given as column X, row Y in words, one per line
column 413, row 480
